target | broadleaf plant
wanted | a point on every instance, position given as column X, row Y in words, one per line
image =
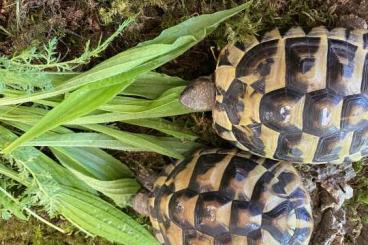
column 56, row 124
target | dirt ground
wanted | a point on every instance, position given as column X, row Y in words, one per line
column 30, row 23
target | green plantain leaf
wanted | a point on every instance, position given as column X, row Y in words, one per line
column 110, row 77
column 198, row 27
column 114, row 183
column 36, row 161
column 125, row 108
column 143, row 84
column 95, row 163
column 150, row 143
column 164, row 126
column 78, row 103
column 93, row 140
column 98, row 217
column 70, row 197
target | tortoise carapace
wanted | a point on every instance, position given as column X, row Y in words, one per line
column 230, row 197
column 297, row 97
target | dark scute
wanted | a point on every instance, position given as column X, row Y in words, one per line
column 314, row 119
column 359, row 141
column 261, row 53
column 326, row 149
column 281, row 237
column 204, row 163
column 260, row 186
column 269, row 163
column 365, row 40
column 364, row 87
column 240, row 45
column 282, row 209
column 254, row 236
column 264, row 68
column 243, row 163
column 337, row 50
column 302, row 214
column 284, row 178
column 259, row 86
column 297, row 193
column 299, row 58
column 300, row 235
column 286, row 148
column 255, row 144
column 238, row 169
column 163, row 191
column 273, row 110
column 174, row 208
column 216, row 229
column 232, row 101
column 238, row 207
column 350, row 102
column 224, row 59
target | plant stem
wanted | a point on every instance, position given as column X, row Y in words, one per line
column 44, row 220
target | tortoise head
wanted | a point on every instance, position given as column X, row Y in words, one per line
column 199, row 95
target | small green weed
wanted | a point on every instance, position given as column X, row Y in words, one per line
column 360, row 186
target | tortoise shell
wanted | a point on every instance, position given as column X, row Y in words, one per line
column 297, row 97
column 230, row 197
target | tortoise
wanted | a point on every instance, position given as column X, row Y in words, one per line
column 296, row 97
column 219, row 196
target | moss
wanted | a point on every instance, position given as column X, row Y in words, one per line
column 32, row 232
column 118, row 9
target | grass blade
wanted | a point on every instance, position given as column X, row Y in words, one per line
column 150, row 143
column 165, row 126
column 93, row 140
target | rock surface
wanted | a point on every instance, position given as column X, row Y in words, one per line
column 329, row 189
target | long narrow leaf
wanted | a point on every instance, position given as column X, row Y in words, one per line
column 101, row 218
column 93, row 140
column 95, row 163
column 68, row 195
column 36, row 161
column 126, row 66
column 115, row 184
column 78, row 103
column 164, row 126
column 14, row 175
column 143, row 84
column 150, row 143
column 122, row 109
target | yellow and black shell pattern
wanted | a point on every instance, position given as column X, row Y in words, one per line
column 297, row 97
column 230, row 197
